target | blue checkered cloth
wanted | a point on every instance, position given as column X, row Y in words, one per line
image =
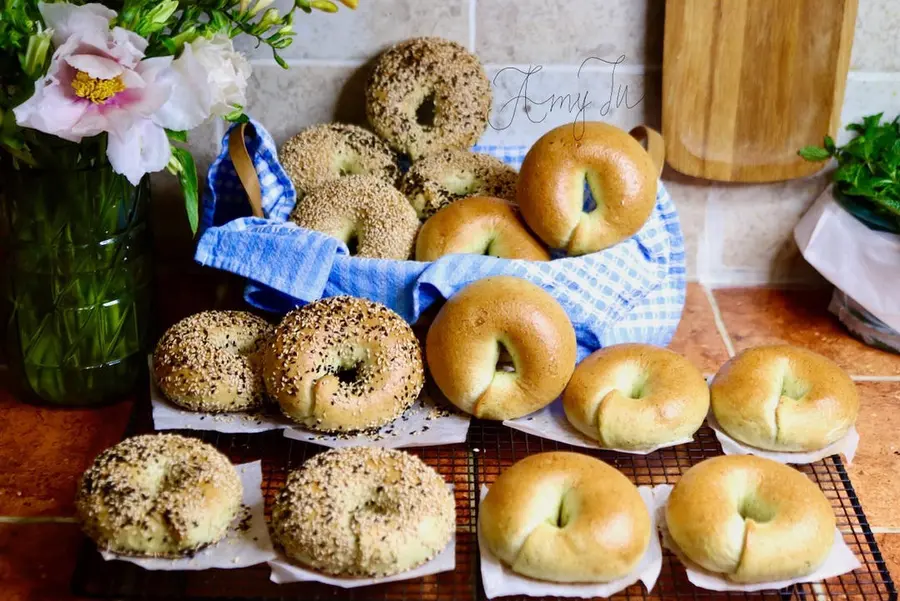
column 632, row 292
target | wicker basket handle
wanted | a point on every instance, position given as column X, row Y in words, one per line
column 656, row 146
column 243, row 166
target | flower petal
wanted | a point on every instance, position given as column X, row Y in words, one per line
column 51, row 111
column 126, row 46
column 95, row 66
column 67, row 19
column 189, row 104
column 142, row 149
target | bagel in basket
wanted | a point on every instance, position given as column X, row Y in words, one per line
column 750, row 519
column 478, row 225
column 784, row 398
column 636, row 396
column 485, row 323
column 559, row 167
column 565, row 517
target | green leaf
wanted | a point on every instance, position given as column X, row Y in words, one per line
column 279, row 60
column 814, row 153
column 177, row 136
column 829, row 145
column 187, row 177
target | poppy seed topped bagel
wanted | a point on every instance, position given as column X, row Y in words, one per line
column 784, row 398
column 158, row 495
column 329, row 151
column 441, row 178
column 343, row 364
column 426, row 95
column 613, row 165
column 363, row 512
column 750, row 519
column 565, row 517
column 212, row 361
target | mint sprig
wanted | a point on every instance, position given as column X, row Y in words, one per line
column 868, row 165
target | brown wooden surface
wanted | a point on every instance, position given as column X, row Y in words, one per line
column 746, row 83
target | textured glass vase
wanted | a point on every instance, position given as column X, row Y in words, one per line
column 77, row 280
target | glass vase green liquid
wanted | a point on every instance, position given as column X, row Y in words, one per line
column 77, row 282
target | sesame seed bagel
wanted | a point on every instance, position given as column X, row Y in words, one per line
column 565, row 517
column 438, row 179
column 369, row 215
column 636, row 396
column 488, row 320
column 332, row 150
column 158, row 495
column 750, row 519
column 616, row 168
column 421, row 74
column 211, row 361
column 342, row 364
column 478, row 225
column 784, row 398
column 363, row 512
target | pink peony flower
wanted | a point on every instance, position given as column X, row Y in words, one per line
column 100, row 82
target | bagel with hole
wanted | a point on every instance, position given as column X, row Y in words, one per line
column 565, row 517
column 363, row 512
column 478, row 225
column 501, row 348
column 212, row 361
column 784, row 398
column 750, row 519
column 343, row 364
column 158, row 495
column 560, row 167
column 636, row 396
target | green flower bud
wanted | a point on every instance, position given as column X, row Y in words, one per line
column 326, row 6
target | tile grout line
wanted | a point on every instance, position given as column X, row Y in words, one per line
column 473, row 7
column 884, row 530
column 717, row 317
column 875, row 378
column 11, row 519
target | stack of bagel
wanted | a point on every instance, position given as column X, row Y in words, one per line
column 428, row 99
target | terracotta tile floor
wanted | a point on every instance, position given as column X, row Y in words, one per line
column 43, row 451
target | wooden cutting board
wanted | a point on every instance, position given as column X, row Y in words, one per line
column 746, row 83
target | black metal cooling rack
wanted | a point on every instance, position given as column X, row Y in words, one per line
column 491, row 448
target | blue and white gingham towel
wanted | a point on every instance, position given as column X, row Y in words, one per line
column 632, row 292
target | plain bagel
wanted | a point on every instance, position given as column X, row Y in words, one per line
column 363, row 512
column 478, row 326
column 343, row 364
column 158, row 495
column 636, row 396
column 565, row 517
column 784, row 398
column 616, row 168
column 750, row 519
column 478, row 225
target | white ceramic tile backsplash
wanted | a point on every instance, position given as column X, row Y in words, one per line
column 734, row 234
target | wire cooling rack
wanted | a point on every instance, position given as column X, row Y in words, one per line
column 490, row 449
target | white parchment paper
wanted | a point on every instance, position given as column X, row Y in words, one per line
column 499, row 580
column 242, row 546
column 283, row 571
column 862, row 262
column 551, row 422
column 841, row 560
column 845, row 446
column 429, row 421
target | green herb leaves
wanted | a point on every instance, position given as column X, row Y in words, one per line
column 868, row 165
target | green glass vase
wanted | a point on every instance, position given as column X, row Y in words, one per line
column 77, row 281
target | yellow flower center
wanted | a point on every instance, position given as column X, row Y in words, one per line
column 95, row 89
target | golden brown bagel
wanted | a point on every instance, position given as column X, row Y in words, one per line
column 550, row 191
column 784, row 398
column 636, row 396
column 565, row 517
column 750, row 519
column 478, row 225
column 482, row 322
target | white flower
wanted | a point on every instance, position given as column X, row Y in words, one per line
column 209, row 78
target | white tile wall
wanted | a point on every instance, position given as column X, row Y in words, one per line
column 735, row 234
